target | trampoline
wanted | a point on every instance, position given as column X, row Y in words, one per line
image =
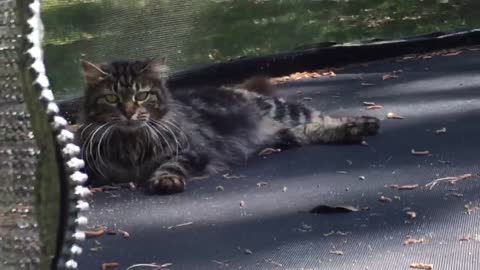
column 406, row 198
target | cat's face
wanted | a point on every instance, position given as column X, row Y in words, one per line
column 127, row 93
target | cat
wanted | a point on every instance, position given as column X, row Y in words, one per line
column 136, row 130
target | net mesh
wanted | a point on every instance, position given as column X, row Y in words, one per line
column 19, row 233
column 194, row 33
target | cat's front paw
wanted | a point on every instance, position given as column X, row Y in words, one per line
column 360, row 127
column 166, row 183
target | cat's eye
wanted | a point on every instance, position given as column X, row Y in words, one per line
column 111, row 98
column 141, row 96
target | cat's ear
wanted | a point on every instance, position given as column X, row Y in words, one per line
column 157, row 68
column 92, row 73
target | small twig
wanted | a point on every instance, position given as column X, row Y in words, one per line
column 450, row 179
column 150, row 265
column 180, row 225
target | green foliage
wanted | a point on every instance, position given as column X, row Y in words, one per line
column 198, row 32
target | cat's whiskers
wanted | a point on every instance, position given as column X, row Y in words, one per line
column 155, row 127
column 182, row 133
column 90, row 145
column 177, row 143
column 151, row 133
column 99, row 152
column 84, row 129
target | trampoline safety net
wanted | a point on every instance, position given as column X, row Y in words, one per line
column 406, row 198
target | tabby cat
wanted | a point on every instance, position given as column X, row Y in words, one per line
column 135, row 129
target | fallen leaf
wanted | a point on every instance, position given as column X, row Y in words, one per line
column 329, row 233
column 337, row 252
column 455, row 194
column 369, row 103
column 411, row 240
column 261, row 184
column 268, row 151
column 452, row 53
column 231, row 176
column 404, row 187
column 248, row 251
column 441, row 131
column 411, row 214
column 96, row 233
column 374, row 107
column 110, row 265
column 425, row 266
column 389, row 76
column 327, row 209
column 361, row 177
column 385, row 199
column 125, row 234
column 420, row 153
column 465, row 238
column 392, row 115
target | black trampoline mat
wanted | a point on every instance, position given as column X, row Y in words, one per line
column 274, row 224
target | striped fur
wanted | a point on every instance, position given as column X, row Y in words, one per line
column 171, row 137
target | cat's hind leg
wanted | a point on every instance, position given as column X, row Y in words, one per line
column 335, row 130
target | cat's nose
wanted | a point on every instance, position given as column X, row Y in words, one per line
column 129, row 110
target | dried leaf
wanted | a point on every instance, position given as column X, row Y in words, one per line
column 329, row 233
column 425, row 266
column 231, row 176
column 385, row 199
column 261, row 184
column 404, row 187
column 410, row 241
column 327, row 209
column 392, row 115
column 420, row 153
column 110, row 265
column 269, row 151
column 125, row 234
column 248, row 251
column 441, row 131
column 465, row 238
column 337, row 252
column 411, row 214
column 452, row 53
column 361, row 177
column 96, row 233
column 389, row 76
column 374, row 107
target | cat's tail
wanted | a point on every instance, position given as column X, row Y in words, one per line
column 258, row 84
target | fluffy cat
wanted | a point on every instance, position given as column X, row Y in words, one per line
column 135, row 129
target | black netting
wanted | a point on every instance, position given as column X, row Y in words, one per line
column 201, row 32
